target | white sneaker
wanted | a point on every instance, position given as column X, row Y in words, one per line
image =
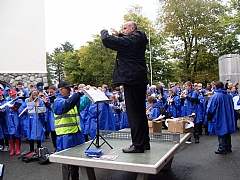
column 6, row 148
column 1, row 147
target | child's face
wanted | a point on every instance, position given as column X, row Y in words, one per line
column 150, row 104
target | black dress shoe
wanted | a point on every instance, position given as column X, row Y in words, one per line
column 229, row 151
column 220, row 152
column 133, row 149
column 146, row 146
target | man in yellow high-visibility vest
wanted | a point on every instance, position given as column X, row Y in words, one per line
column 67, row 123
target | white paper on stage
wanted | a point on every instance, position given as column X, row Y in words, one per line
column 96, row 96
column 22, row 34
column 166, row 122
column 189, row 124
column 159, row 118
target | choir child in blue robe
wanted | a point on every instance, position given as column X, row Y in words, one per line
column 4, row 136
column 153, row 111
column 190, row 98
column 14, row 123
column 173, row 104
column 36, row 121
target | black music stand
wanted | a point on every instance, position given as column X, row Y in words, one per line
column 96, row 140
column 97, row 96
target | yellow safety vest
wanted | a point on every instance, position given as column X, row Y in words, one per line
column 67, row 123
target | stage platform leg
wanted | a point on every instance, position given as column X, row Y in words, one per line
column 87, row 173
column 141, row 176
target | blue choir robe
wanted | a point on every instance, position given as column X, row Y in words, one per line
column 3, row 126
column 14, row 123
column 155, row 112
column 174, row 109
column 190, row 107
column 36, row 123
column 200, row 109
column 221, row 107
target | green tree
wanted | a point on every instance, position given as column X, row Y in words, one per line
column 65, row 47
column 235, row 12
column 74, row 73
column 231, row 25
column 193, row 30
column 50, row 76
column 97, row 62
column 56, row 61
column 91, row 64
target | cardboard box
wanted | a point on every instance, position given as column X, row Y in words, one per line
column 155, row 126
column 177, row 125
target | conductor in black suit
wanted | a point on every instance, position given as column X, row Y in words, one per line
column 130, row 71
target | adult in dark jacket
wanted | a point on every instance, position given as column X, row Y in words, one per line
column 220, row 112
column 130, row 71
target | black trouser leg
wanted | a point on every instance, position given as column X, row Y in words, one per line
column 6, row 140
column 86, row 137
column 39, row 144
column 70, row 171
column 31, row 143
column 199, row 126
column 46, row 135
column 136, row 111
column 195, row 132
column 1, row 142
column 206, row 129
column 236, row 118
column 53, row 136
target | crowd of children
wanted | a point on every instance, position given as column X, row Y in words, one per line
column 17, row 122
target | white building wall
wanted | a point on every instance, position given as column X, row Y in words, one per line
column 22, row 36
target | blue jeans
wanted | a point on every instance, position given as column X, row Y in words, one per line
column 224, row 142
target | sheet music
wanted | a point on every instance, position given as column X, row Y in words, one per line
column 30, row 107
column 235, row 100
column 95, row 95
column 33, row 109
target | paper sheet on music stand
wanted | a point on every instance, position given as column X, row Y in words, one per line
column 40, row 109
column 96, row 96
column 31, row 107
column 235, row 100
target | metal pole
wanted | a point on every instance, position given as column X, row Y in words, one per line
column 150, row 58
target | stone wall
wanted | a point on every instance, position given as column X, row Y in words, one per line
column 26, row 79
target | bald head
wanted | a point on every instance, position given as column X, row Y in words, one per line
column 129, row 27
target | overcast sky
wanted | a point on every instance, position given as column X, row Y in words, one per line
column 76, row 21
